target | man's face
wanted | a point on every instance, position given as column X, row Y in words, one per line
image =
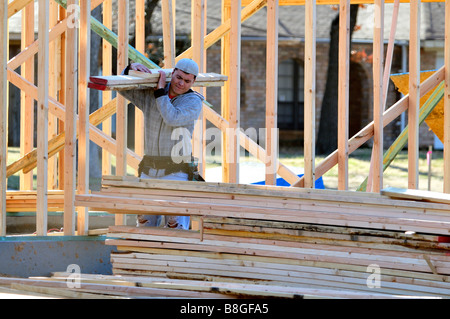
column 181, row 82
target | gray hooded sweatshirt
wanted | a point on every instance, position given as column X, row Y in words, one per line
column 169, row 123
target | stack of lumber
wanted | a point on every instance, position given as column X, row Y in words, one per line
column 280, row 237
column 94, row 286
column 141, row 80
column 26, row 201
column 332, row 259
column 317, row 206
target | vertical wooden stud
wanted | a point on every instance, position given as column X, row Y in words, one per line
column 343, row 89
column 3, row 101
column 385, row 85
column 378, row 102
column 310, row 93
column 42, row 121
column 83, row 112
column 27, row 101
column 106, row 70
column 271, row 92
column 121, row 114
column 140, row 46
column 167, row 8
column 61, row 42
column 414, row 95
column 52, row 91
column 232, row 134
column 70, row 124
column 197, row 35
column 225, row 101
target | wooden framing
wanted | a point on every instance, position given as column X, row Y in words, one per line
column 343, row 92
column 42, row 121
column 27, row 102
column 140, row 46
column 310, row 94
column 3, row 116
column 121, row 114
column 70, row 126
column 414, row 92
column 168, row 10
column 81, row 128
column 106, row 70
column 83, row 112
column 378, row 101
column 271, row 93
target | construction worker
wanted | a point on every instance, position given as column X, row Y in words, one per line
column 170, row 111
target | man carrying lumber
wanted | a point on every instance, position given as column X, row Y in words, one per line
column 170, row 111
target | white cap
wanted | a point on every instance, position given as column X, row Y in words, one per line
column 187, row 66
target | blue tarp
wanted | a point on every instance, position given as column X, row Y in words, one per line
column 282, row 182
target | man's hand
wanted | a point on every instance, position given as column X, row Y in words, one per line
column 139, row 67
column 162, row 80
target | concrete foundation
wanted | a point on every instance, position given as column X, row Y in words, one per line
column 25, row 256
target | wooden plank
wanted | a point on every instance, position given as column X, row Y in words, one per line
column 385, row 262
column 150, row 79
column 324, row 215
column 310, row 94
column 106, row 70
column 343, row 92
column 70, row 129
column 271, row 93
column 122, row 62
column 42, row 141
column 378, row 102
column 140, row 46
column 61, row 44
column 414, row 95
column 83, row 113
column 26, row 101
column 198, row 17
column 53, row 88
column 393, row 273
column 278, row 205
column 116, row 289
column 309, row 216
column 418, row 195
column 3, row 113
column 258, row 244
column 225, row 91
column 122, row 109
column 231, row 190
column 16, row 6
column 224, row 286
column 232, row 133
column 274, row 274
column 168, row 9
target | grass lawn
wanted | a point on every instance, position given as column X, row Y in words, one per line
column 396, row 175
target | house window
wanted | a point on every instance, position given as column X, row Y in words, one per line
column 290, row 95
